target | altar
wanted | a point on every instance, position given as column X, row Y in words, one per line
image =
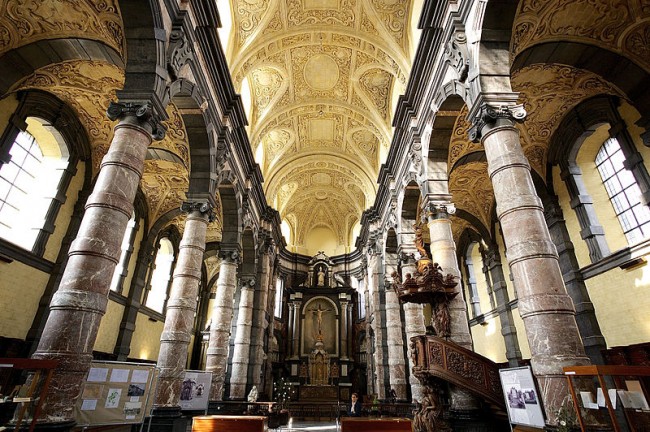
column 320, row 311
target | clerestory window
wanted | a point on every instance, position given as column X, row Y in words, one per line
column 623, row 192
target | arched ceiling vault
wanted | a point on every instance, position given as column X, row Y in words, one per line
column 323, row 78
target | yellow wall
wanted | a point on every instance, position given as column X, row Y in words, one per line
column 109, row 328
column 622, row 303
column 521, row 334
column 145, row 343
column 504, row 263
column 21, row 288
column 488, row 340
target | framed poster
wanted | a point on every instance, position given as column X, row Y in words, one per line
column 521, row 396
column 195, row 390
column 114, row 393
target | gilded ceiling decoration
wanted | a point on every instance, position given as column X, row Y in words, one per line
column 622, row 26
column 460, row 144
column 25, row 22
column 88, row 87
column 323, row 75
column 548, row 92
column 471, row 190
column 458, row 227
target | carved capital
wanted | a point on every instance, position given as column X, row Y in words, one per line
column 441, row 210
column 488, row 114
column 143, row 112
column 406, row 258
column 201, row 206
column 248, row 283
column 229, row 255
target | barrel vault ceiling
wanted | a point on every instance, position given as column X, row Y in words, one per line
column 320, row 79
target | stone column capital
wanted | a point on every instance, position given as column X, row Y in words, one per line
column 230, row 255
column 439, row 210
column 248, row 283
column 202, row 206
column 145, row 114
column 407, row 258
column 488, row 113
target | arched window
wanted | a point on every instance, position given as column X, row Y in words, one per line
column 623, row 191
column 279, row 293
column 119, row 272
column 157, row 293
column 29, row 182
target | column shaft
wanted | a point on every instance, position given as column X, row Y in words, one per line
column 217, row 355
column 242, row 347
column 77, row 307
column 413, row 326
column 181, row 306
column 378, row 325
column 296, row 329
column 260, row 322
column 344, row 330
column 544, row 305
column 396, row 364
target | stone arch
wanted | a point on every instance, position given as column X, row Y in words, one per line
column 145, row 50
column 231, row 214
column 188, row 99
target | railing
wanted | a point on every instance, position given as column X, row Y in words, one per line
column 311, row 410
column 446, row 360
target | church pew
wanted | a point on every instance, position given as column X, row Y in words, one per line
column 366, row 424
column 229, row 424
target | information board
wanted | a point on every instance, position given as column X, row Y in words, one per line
column 521, row 396
column 195, row 390
column 114, row 393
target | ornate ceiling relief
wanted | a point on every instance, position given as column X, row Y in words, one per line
column 88, row 87
column 621, row 25
column 339, row 61
column 164, row 184
column 249, row 15
column 175, row 140
column 460, row 144
column 548, row 92
column 471, row 190
column 25, row 22
column 458, row 227
column 215, row 228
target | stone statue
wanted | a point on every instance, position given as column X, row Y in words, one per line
column 252, row 396
column 321, row 277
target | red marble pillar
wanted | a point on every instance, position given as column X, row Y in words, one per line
column 77, row 307
column 181, row 306
column 217, row 353
column 544, row 304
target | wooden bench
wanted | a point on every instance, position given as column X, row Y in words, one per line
column 217, row 423
column 359, row 424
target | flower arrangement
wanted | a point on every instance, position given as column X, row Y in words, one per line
column 283, row 391
column 566, row 417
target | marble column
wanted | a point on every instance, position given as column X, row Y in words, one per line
column 443, row 252
column 260, row 313
column 344, row 330
column 241, row 351
column 295, row 342
column 291, row 331
column 181, row 305
column 544, row 305
column 217, row 354
column 80, row 302
column 413, row 326
column 500, row 289
column 396, row 364
column 377, row 319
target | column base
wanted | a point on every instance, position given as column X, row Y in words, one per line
column 167, row 419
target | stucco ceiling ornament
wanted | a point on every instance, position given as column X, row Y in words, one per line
column 25, row 22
